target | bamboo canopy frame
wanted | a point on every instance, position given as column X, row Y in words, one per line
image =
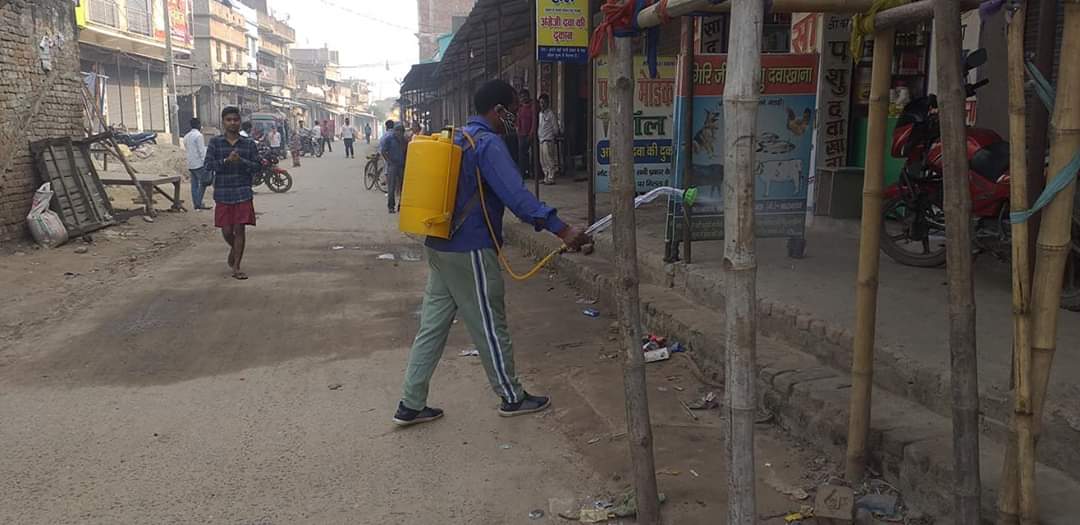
column 740, row 100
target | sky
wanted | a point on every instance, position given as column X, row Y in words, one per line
column 365, row 32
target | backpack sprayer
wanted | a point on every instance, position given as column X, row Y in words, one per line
column 429, row 193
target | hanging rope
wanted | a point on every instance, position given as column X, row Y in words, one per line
column 621, row 21
column 863, row 24
column 1046, row 93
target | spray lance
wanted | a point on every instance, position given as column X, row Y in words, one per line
column 688, row 197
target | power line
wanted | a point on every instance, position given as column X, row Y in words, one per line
column 412, row 31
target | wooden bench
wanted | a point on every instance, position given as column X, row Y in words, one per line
column 150, row 185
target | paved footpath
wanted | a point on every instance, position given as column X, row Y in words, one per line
column 806, row 315
column 162, row 391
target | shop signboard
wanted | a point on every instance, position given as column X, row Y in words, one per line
column 562, row 31
column 179, row 15
column 654, row 100
column 783, row 145
column 834, row 94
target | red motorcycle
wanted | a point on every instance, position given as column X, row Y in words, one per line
column 913, row 226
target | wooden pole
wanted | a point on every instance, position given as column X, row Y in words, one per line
column 626, row 267
column 866, row 281
column 534, row 149
column 1020, row 451
column 741, row 99
column 964, row 372
column 684, row 86
column 590, row 134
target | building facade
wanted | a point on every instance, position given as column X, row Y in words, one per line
column 40, row 93
column 436, row 18
column 122, row 44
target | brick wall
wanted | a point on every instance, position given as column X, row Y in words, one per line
column 34, row 104
column 436, row 18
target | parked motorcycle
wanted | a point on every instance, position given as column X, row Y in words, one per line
column 913, row 226
column 275, row 178
column 133, row 140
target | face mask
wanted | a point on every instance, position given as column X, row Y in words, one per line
column 508, row 118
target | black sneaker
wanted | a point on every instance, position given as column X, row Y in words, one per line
column 406, row 416
column 531, row 404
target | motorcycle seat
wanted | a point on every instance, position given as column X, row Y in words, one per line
column 991, row 161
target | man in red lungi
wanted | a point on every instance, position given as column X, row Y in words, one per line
column 234, row 161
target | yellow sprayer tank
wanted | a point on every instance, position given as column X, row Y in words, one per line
column 429, row 190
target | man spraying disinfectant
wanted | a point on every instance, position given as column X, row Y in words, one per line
column 464, row 277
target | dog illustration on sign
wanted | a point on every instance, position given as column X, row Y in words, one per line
column 705, row 138
column 780, row 172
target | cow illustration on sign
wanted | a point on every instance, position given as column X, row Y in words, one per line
column 780, row 172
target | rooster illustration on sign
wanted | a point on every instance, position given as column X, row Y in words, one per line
column 798, row 126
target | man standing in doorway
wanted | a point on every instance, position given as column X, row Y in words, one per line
column 526, row 128
column 548, row 130
column 195, row 148
column 327, row 132
column 367, row 132
column 392, row 148
column 348, row 136
column 464, row 277
column 234, row 160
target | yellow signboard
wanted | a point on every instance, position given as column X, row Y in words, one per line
column 562, row 31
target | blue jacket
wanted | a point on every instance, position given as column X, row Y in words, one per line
column 503, row 188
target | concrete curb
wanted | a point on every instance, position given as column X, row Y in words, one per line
column 910, row 444
column 894, row 370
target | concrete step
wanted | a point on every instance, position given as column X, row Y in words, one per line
column 911, row 444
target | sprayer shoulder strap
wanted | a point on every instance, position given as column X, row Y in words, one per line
column 475, row 199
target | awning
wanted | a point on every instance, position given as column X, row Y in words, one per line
column 493, row 27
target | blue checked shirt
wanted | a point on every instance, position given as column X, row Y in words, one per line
column 232, row 180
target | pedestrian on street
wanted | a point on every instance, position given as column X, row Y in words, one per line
column 295, row 145
column 548, row 130
column 348, row 136
column 367, row 133
column 392, row 149
column 464, row 276
column 195, row 148
column 234, row 161
column 526, row 128
column 245, row 130
column 327, row 134
column 273, row 138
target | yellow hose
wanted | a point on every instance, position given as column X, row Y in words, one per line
column 491, row 230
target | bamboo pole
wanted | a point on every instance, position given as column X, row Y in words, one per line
column 1021, row 447
column 741, row 98
column 866, row 281
column 1055, row 231
column 621, row 88
column 1038, row 115
column 964, row 372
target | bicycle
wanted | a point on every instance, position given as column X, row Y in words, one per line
column 375, row 173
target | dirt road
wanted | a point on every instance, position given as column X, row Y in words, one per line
column 161, row 391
